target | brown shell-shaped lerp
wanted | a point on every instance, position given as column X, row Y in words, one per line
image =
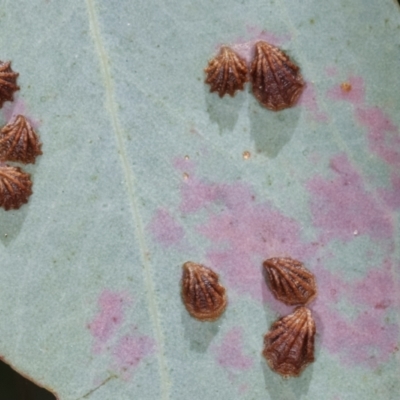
column 204, row 297
column 19, row 142
column 289, row 345
column 8, row 82
column 277, row 82
column 15, row 187
column 227, row 72
column 290, row 281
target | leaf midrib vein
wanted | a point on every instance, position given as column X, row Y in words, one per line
column 111, row 106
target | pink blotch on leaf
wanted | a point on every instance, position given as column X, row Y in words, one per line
column 330, row 287
column 243, row 388
column 379, row 289
column 383, row 134
column 184, row 165
column 341, row 205
column 11, row 109
column 270, row 37
column 242, row 236
column 245, row 46
column 308, row 100
column 229, row 354
column 242, row 232
column 391, row 196
column 366, row 339
column 355, row 94
column 130, row 351
column 165, row 229
column 331, row 71
column 109, row 318
column 197, row 194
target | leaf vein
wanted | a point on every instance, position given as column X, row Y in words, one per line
column 112, row 108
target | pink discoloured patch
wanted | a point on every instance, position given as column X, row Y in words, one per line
column 244, row 388
column 315, row 158
column 184, row 165
column 341, row 205
column 331, row 71
column 270, row 37
column 130, row 351
column 241, row 237
column 383, row 134
column 392, row 196
column 242, row 232
column 356, row 94
column 196, row 195
column 308, row 100
column 230, row 353
column 110, row 317
column 165, row 229
column 384, row 138
column 11, row 110
column 378, row 289
column 245, row 47
column 330, row 288
column 367, row 339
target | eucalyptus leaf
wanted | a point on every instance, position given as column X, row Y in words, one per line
column 143, row 169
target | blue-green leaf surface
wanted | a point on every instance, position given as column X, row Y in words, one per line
column 144, row 169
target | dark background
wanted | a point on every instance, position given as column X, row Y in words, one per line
column 13, row 386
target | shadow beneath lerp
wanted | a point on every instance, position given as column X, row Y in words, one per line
column 318, row 335
column 200, row 334
column 271, row 130
column 286, row 388
column 11, row 221
column 273, row 309
column 224, row 111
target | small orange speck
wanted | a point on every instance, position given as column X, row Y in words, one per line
column 345, row 86
column 246, row 155
column 185, row 176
